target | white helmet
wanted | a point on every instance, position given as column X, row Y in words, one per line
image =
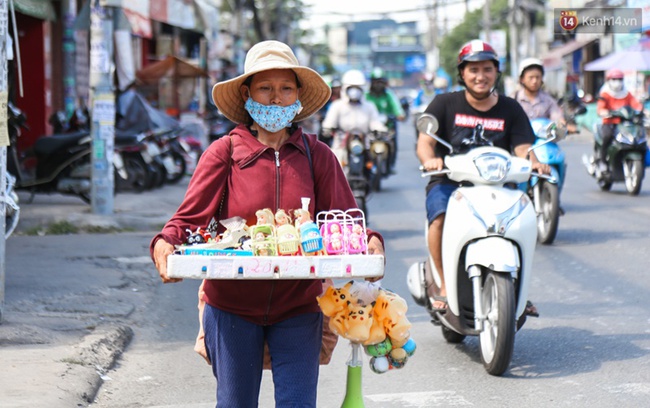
column 440, row 83
column 530, row 63
column 353, row 77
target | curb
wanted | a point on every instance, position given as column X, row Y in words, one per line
column 96, row 354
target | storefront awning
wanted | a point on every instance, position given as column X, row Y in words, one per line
column 42, row 9
column 124, row 18
column 554, row 57
column 177, row 13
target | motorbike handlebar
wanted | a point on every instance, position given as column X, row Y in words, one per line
column 433, row 172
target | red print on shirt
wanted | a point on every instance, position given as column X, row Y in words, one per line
column 470, row 121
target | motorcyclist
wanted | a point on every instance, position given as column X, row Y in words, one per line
column 426, row 93
column 504, row 123
column 536, row 102
column 613, row 95
column 387, row 103
column 351, row 112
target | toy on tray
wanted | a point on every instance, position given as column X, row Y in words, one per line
column 287, row 235
column 311, row 240
column 335, row 232
column 344, row 232
column 264, row 242
column 375, row 317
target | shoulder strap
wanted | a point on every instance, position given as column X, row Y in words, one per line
column 223, row 196
column 308, row 151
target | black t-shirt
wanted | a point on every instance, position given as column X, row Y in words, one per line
column 505, row 125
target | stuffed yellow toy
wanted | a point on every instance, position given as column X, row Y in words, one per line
column 358, row 322
column 335, row 299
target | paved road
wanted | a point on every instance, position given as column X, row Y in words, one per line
column 74, row 302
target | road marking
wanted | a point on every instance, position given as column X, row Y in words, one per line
column 421, row 399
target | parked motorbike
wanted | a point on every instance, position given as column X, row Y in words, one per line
column 12, row 209
column 218, row 125
column 544, row 192
column 488, row 243
column 626, row 154
column 57, row 163
column 133, row 169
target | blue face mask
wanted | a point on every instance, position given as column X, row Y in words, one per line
column 272, row 117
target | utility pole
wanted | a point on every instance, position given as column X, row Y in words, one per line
column 69, row 12
column 514, row 39
column 486, row 21
column 4, row 139
column 103, row 107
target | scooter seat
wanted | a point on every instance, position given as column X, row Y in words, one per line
column 127, row 138
column 48, row 145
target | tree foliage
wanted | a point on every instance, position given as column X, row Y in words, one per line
column 470, row 29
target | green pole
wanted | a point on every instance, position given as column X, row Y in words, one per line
column 353, row 391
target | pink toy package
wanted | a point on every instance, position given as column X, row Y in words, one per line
column 356, row 239
column 334, row 237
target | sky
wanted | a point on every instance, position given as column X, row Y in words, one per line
column 334, row 11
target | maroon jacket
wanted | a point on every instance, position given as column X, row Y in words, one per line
column 259, row 178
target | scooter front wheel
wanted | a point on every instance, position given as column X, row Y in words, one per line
column 548, row 216
column 497, row 339
column 634, row 171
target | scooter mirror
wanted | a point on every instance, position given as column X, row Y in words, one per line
column 428, row 124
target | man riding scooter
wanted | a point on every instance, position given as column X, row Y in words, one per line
column 505, row 125
column 613, row 95
column 387, row 104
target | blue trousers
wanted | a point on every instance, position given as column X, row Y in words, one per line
column 236, row 349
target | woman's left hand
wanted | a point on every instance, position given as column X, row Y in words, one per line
column 375, row 247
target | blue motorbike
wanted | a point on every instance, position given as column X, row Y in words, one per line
column 545, row 192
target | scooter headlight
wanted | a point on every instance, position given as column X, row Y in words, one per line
column 356, row 147
column 492, row 167
column 625, row 134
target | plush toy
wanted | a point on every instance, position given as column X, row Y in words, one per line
column 358, row 322
column 335, row 299
column 389, row 306
column 398, row 330
column 338, row 320
column 377, row 332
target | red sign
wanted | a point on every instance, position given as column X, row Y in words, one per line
column 569, row 20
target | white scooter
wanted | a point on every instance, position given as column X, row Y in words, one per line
column 488, row 241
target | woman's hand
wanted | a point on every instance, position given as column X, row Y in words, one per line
column 161, row 250
column 375, row 248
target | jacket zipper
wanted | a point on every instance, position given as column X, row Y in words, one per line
column 277, row 205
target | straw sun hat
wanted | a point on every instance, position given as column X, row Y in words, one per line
column 264, row 56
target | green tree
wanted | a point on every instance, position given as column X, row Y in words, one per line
column 277, row 20
column 468, row 30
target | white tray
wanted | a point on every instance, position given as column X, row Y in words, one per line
column 275, row 267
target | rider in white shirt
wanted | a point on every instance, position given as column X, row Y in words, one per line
column 351, row 112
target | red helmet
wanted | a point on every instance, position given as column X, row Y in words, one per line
column 476, row 50
column 614, row 74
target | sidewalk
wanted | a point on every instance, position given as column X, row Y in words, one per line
column 68, row 298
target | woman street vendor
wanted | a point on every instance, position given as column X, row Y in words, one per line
column 265, row 162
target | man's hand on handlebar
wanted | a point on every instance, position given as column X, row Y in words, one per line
column 433, row 164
